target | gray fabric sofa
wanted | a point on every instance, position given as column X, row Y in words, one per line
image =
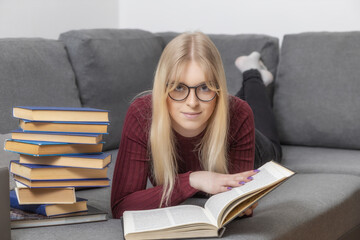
column 315, row 97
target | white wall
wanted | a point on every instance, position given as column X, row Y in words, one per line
column 49, row 18
column 273, row 17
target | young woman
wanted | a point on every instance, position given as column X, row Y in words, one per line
column 189, row 136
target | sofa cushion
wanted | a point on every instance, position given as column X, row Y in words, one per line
column 321, row 160
column 105, row 230
column 100, row 197
column 307, row 206
column 317, row 100
column 233, row 46
column 34, row 72
column 112, row 66
column 97, row 197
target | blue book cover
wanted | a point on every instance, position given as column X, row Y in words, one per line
column 39, row 143
column 41, row 113
column 75, row 183
column 63, row 133
column 45, row 155
column 37, row 166
column 65, row 180
column 57, row 180
column 19, row 130
column 100, row 155
column 68, row 122
column 34, row 208
column 62, row 109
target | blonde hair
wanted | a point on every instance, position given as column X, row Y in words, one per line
column 177, row 54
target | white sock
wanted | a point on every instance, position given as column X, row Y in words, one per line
column 244, row 63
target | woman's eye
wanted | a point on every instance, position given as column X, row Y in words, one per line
column 180, row 88
column 204, row 88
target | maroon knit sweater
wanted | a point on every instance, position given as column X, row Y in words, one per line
column 133, row 164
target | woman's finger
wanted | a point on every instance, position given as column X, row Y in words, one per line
column 224, row 189
column 248, row 212
column 235, row 183
column 254, row 206
column 230, row 181
column 245, row 175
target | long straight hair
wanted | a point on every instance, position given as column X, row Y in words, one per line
column 212, row 149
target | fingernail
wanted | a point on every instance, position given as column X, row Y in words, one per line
column 242, row 182
column 256, row 170
column 250, row 178
column 229, row 188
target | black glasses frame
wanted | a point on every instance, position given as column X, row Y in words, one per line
column 188, row 92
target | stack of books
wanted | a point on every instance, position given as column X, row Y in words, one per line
column 60, row 149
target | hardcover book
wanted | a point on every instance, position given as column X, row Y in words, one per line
column 39, row 148
column 56, row 126
column 65, row 137
column 22, row 219
column 188, row 221
column 77, row 183
column 49, row 209
column 84, row 160
column 61, row 114
column 27, row 195
column 46, row 172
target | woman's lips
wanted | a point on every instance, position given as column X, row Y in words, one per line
column 191, row 115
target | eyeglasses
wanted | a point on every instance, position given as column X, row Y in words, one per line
column 202, row 92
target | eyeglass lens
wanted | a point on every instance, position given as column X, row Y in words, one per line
column 202, row 92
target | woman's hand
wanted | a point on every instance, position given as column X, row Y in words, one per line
column 249, row 211
column 214, row 183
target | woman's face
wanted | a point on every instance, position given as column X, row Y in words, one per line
column 190, row 116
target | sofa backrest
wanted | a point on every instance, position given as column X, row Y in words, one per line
column 34, row 72
column 232, row 46
column 317, row 92
column 113, row 66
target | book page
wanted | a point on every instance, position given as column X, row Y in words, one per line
column 269, row 174
column 162, row 218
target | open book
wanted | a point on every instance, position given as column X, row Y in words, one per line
column 190, row 221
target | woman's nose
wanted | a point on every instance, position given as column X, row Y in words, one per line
column 192, row 100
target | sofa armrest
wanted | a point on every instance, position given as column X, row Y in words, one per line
column 4, row 204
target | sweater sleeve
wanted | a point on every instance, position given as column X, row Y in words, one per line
column 241, row 152
column 133, row 168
